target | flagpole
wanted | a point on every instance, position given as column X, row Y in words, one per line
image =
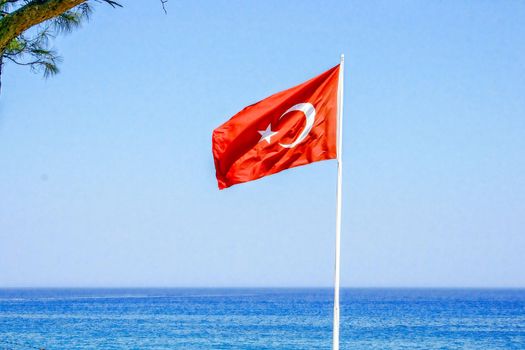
column 335, row 338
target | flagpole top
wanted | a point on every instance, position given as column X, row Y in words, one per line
column 342, row 57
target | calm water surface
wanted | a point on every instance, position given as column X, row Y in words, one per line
column 260, row 319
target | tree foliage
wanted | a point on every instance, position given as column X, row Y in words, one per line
column 27, row 27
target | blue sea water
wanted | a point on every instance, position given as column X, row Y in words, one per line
column 260, row 319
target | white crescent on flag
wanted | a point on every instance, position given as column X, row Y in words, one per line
column 309, row 112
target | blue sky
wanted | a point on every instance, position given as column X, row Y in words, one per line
column 107, row 174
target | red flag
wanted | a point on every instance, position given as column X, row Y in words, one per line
column 290, row 128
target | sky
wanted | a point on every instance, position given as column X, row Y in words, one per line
column 107, row 176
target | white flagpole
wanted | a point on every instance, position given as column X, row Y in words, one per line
column 335, row 345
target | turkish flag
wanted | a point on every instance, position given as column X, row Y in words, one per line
column 290, row 128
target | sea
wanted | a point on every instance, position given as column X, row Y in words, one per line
column 261, row 318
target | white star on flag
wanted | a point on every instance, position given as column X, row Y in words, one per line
column 267, row 134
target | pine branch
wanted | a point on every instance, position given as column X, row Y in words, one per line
column 50, row 17
column 31, row 14
column 111, row 3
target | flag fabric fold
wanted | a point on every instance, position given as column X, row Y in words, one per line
column 293, row 127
